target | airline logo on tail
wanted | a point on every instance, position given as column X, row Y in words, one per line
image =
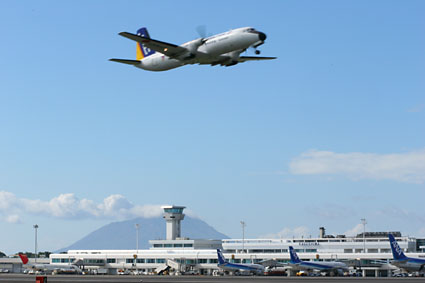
column 294, row 256
column 221, row 259
column 142, row 50
column 397, row 251
column 24, row 258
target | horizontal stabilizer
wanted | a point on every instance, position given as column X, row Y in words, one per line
column 126, row 61
column 254, row 58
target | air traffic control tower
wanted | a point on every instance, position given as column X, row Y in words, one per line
column 173, row 215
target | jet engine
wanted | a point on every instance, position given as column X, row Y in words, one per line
column 192, row 47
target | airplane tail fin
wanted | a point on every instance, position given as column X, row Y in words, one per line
column 143, row 51
column 293, row 255
column 395, row 248
column 24, row 258
column 221, row 258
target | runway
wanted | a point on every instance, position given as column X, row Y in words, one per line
column 22, row 278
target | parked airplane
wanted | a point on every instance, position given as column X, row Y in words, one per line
column 226, row 265
column 326, row 266
column 402, row 261
column 222, row 49
column 60, row 268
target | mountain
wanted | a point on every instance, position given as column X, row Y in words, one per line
column 122, row 235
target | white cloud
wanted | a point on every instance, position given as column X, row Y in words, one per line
column 355, row 230
column 70, row 207
column 13, row 218
column 402, row 167
column 286, row 232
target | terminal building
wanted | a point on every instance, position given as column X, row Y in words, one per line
column 365, row 253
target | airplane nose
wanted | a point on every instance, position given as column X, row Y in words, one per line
column 262, row 36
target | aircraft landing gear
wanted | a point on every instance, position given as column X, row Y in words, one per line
column 257, row 52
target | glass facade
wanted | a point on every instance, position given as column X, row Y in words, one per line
column 63, row 260
column 173, row 210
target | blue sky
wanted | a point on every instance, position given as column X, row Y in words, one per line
column 331, row 132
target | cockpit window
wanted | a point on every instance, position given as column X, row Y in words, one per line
column 250, row 30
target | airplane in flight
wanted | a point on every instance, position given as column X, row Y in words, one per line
column 237, row 267
column 402, row 261
column 222, row 49
column 60, row 268
column 323, row 266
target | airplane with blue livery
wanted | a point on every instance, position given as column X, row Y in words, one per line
column 224, row 264
column 323, row 266
column 402, row 261
column 222, row 49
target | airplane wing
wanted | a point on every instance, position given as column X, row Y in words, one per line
column 169, row 49
column 224, row 60
column 253, row 58
column 271, row 263
column 125, row 61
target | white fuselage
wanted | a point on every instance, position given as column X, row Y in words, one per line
column 52, row 267
column 410, row 264
column 229, row 44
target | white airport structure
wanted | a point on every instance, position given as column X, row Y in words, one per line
column 367, row 254
column 173, row 215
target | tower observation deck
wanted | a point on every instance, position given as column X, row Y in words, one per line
column 173, row 215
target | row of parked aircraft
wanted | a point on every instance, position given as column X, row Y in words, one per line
column 399, row 259
column 294, row 264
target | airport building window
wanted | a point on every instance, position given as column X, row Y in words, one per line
column 95, row 261
column 129, row 260
column 246, row 260
column 358, row 250
column 178, row 245
column 160, row 260
column 168, row 245
column 213, row 260
column 111, row 260
column 385, row 250
column 157, row 245
column 140, row 260
column 236, row 260
column 348, row 251
column 202, row 260
column 284, row 250
column 372, row 250
column 173, row 210
column 150, row 260
column 299, row 250
column 62, row 260
column 188, row 245
column 311, row 250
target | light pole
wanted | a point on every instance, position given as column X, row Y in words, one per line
column 364, row 234
column 137, row 236
column 35, row 244
column 137, row 246
column 243, row 235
